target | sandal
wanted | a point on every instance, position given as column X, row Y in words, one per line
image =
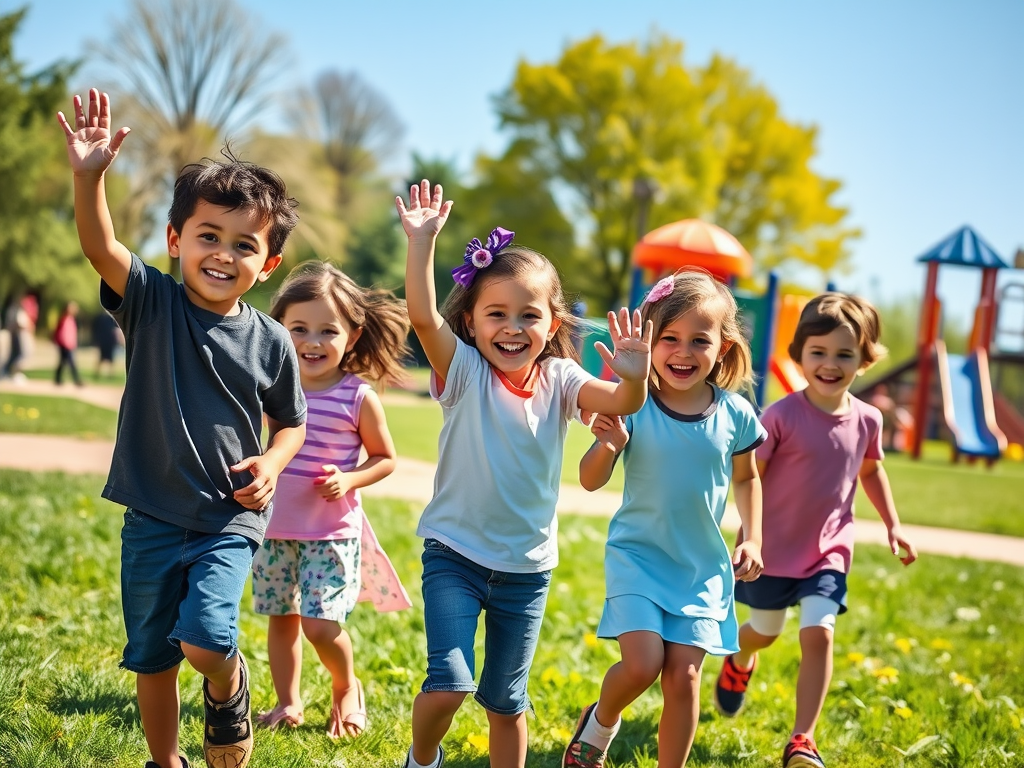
column 356, row 719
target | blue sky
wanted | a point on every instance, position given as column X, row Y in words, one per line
column 919, row 105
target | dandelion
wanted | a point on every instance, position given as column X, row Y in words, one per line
column 886, row 675
column 8, row 408
column 855, row 657
column 552, row 676
column 590, row 640
column 968, row 613
column 1015, row 721
column 904, row 712
column 903, row 644
column 961, row 681
column 478, row 742
column 559, row 734
column 32, row 413
column 781, row 690
column 575, row 677
column 940, row 644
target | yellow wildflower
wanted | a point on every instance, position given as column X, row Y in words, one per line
column 855, row 657
column 478, row 742
column 32, row 413
column 552, row 675
column 590, row 640
column 8, row 408
column 940, row 644
column 904, row 712
column 903, row 644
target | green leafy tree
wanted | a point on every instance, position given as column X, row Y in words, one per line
column 607, row 122
column 38, row 242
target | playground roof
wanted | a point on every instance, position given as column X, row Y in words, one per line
column 966, row 249
column 692, row 242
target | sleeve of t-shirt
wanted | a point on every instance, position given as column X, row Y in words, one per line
column 467, row 365
column 749, row 432
column 572, row 377
column 773, row 426
column 873, row 419
column 144, row 297
column 283, row 401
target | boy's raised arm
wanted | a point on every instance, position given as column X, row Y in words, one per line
column 91, row 150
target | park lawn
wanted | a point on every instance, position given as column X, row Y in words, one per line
column 927, row 661
column 41, row 415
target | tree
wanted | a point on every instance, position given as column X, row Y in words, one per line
column 353, row 123
column 191, row 74
column 38, row 242
column 608, row 121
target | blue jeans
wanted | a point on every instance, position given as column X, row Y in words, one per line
column 179, row 586
column 455, row 591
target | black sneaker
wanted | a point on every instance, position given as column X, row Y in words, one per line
column 184, row 763
column 731, row 686
column 227, row 740
column 440, row 757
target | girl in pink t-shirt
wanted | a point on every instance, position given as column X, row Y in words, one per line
column 320, row 556
column 821, row 441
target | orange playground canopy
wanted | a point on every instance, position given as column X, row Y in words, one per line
column 693, row 243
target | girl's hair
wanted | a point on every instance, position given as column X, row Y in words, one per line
column 695, row 289
column 824, row 313
column 516, row 263
column 379, row 351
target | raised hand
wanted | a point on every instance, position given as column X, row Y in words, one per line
column 632, row 358
column 426, row 213
column 91, row 147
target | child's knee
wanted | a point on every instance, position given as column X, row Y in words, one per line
column 321, row 631
column 206, row 662
column 643, row 670
column 816, row 638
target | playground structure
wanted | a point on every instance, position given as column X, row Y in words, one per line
column 768, row 318
column 974, row 400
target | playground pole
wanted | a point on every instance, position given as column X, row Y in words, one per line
column 985, row 315
column 925, row 343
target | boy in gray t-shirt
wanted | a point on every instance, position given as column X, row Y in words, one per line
column 203, row 369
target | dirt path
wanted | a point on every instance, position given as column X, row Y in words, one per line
column 414, row 481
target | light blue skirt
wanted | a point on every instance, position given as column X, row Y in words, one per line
column 636, row 613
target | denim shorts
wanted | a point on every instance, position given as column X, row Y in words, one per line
column 455, row 591
column 179, row 586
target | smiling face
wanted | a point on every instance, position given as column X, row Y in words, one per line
column 321, row 339
column 511, row 323
column 223, row 254
column 685, row 352
column 830, row 364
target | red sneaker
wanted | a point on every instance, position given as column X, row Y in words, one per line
column 731, row 686
column 802, row 752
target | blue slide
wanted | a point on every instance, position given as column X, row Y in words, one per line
column 965, row 409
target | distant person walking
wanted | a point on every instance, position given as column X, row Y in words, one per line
column 107, row 337
column 66, row 338
column 20, row 321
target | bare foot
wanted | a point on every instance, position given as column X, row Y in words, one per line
column 282, row 715
column 348, row 712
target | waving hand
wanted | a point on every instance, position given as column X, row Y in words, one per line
column 91, row 147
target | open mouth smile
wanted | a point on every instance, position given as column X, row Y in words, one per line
column 510, row 349
column 216, row 274
column 682, row 371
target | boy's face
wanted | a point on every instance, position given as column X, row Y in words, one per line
column 223, row 254
column 831, row 363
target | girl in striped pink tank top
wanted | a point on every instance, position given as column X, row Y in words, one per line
column 320, row 555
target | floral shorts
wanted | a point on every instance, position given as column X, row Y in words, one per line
column 315, row 579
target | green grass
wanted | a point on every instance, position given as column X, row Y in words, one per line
column 40, row 415
column 115, row 379
column 935, row 492
column 927, row 656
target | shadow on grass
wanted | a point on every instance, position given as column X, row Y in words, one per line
column 84, row 692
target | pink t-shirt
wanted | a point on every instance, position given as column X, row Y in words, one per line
column 332, row 437
column 813, row 462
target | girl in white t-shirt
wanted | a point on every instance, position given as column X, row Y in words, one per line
column 320, row 556
column 506, row 376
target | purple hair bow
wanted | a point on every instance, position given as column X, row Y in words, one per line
column 480, row 256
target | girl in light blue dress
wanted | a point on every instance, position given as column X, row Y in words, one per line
column 669, row 573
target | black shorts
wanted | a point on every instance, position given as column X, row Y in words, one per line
column 774, row 593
